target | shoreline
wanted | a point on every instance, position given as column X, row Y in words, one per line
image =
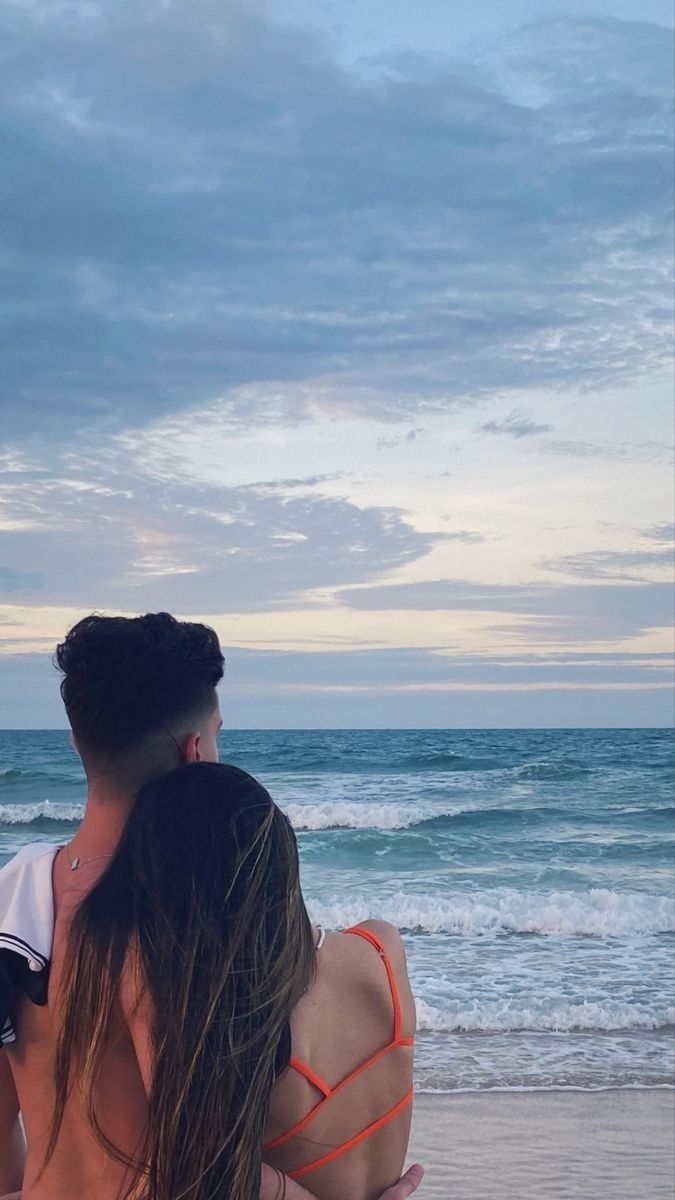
column 522, row 1089
column 609, row 1144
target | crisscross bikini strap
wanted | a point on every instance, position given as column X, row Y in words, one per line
column 302, row 1069
column 367, row 936
column 354, row 1141
column 327, row 1091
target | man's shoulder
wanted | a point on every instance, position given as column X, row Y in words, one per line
column 26, row 899
column 26, row 929
column 26, row 857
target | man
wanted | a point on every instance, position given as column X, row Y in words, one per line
column 141, row 699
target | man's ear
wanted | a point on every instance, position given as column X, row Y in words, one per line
column 191, row 748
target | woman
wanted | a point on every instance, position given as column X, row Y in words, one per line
column 249, row 1027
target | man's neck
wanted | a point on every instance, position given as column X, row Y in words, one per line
column 109, row 799
column 105, row 816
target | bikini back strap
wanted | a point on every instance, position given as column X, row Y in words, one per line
column 359, row 931
column 302, row 1069
column 354, row 1141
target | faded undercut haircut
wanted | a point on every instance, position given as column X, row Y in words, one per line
column 127, row 677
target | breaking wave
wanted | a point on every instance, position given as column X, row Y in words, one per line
column 597, row 912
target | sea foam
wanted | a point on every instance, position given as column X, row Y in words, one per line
column 336, row 814
column 503, row 1017
column 597, row 912
column 41, row 810
column 342, row 814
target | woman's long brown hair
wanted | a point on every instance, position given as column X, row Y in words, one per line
column 203, row 895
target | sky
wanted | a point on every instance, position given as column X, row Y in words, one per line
column 344, row 326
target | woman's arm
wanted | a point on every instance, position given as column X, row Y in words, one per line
column 272, row 1186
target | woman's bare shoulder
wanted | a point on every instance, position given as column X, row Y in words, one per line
column 387, row 934
column 366, row 969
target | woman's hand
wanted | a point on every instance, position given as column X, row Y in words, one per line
column 406, row 1185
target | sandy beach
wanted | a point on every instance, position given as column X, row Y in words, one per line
column 614, row 1145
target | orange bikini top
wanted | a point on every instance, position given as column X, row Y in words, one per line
column 327, row 1091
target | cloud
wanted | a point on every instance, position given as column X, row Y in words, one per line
column 517, row 424
column 628, row 564
column 610, row 564
column 664, row 531
column 306, row 481
column 567, row 613
column 202, row 207
column 100, row 528
column 470, row 536
column 412, row 435
column 613, row 451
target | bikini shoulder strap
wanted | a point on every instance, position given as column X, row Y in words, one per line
column 367, row 936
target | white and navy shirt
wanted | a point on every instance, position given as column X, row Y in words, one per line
column 26, row 930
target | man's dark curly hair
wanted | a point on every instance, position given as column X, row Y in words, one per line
column 127, row 677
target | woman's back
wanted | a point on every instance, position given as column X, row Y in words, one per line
column 340, row 1115
column 80, row 1166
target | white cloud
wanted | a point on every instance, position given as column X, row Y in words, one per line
column 516, row 424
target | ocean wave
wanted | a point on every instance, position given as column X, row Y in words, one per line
column 346, row 760
column 572, row 1018
column 343, row 814
column 10, row 777
column 647, row 811
column 43, row 811
column 334, row 814
column 598, row 912
column 306, row 818
column 447, row 761
column 559, row 770
column 553, row 769
column 12, row 774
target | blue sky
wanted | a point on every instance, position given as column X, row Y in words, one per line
column 349, row 331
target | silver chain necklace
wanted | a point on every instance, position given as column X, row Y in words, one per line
column 78, row 862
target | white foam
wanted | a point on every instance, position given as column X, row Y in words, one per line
column 598, row 912
column 502, row 1017
column 343, row 814
column 338, row 814
column 23, row 814
column 545, row 1087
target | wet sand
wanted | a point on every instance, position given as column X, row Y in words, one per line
column 615, row 1145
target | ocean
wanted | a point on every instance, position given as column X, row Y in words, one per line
column 530, row 871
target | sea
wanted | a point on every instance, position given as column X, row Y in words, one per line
column 531, row 873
